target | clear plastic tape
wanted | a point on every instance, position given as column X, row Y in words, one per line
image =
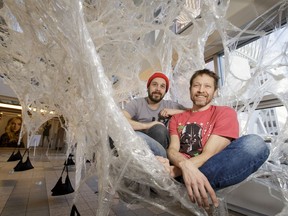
column 79, row 59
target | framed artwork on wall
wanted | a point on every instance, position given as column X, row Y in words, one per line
column 10, row 127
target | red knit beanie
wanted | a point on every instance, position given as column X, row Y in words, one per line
column 159, row 75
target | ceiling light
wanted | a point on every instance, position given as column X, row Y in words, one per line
column 10, row 106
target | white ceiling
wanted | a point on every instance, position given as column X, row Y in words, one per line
column 240, row 13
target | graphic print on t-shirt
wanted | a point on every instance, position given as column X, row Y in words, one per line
column 190, row 140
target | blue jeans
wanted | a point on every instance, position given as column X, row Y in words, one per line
column 157, row 138
column 236, row 162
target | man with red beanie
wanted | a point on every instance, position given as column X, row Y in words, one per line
column 148, row 116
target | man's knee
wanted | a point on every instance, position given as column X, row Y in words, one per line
column 258, row 147
column 160, row 134
column 155, row 146
column 158, row 129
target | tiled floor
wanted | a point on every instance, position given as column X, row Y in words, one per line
column 28, row 193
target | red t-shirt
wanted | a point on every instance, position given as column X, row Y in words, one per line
column 195, row 128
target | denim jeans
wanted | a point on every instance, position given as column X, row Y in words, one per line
column 157, row 138
column 159, row 133
column 236, row 162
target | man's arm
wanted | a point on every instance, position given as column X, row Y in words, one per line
column 139, row 125
column 214, row 145
column 166, row 113
column 174, row 156
column 198, row 187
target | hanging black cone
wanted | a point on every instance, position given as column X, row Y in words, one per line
column 15, row 156
column 22, row 166
column 63, row 188
column 69, row 161
column 74, row 211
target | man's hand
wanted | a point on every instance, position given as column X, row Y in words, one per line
column 165, row 163
column 166, row 113
column 198, row 186
column 172, row 170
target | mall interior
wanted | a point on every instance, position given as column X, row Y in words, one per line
column 40, row 64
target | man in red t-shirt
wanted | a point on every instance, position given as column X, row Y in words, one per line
column 205, row 152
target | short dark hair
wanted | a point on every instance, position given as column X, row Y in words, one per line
column 207, row 72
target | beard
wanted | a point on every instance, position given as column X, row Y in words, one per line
column 155, row 97
column 201, row 102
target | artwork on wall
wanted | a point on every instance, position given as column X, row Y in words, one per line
column 10, row 128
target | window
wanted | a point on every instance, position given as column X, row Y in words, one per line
column 255, row 84
column 263, row 123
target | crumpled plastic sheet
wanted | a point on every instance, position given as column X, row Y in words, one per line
column 79, row 60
